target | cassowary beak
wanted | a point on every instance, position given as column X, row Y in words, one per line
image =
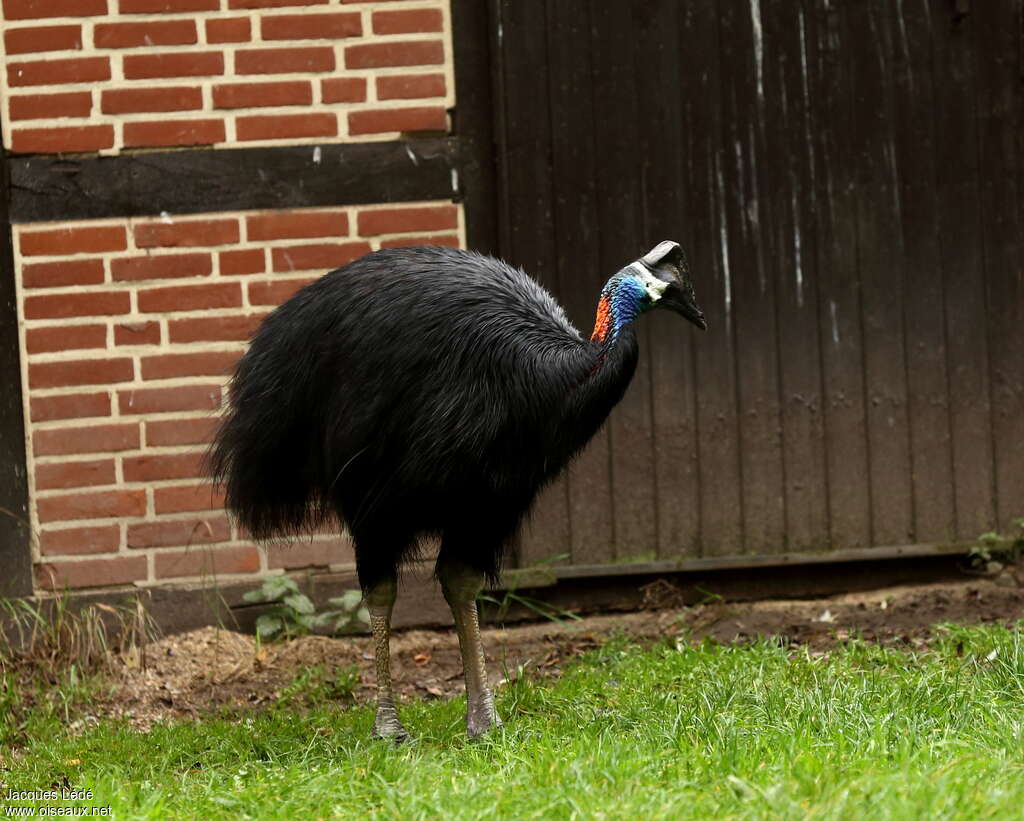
column 682, row 302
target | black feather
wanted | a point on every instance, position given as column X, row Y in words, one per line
column 414, row 392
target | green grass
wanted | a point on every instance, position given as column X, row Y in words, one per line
column 670, row 732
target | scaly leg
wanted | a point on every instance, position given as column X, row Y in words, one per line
column 380, row 599
column 460, row 585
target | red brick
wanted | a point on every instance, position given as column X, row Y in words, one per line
column 62, row 306
column 297, row 225
column 174, row 132
column 249, row 261
column 249, row 95
column 76, row 541
column 447, row 240
column 233, row 30
column 106, row 572
column 407, row 220
column 274, row 293
column 307, row 26
column 176, row 532
column 343, row 89
column 284, row 60
column 62, row 272
column 80, row 372
column 198, row 562
column 65, row 139
column 286, row 126
column 190, row 297
column 68, row 406
column 163, row 400
column 182, row 499
column 48, row 106
column 164, row 6
column 180, row 432
column 410, row 87
column 407, row 21
column 66, row 474
column 404, row 53
column 65, row 338
column 208, row 363
column 154, row 467
column 428, row 118
column 51, row 72
column 85, row 240
column 265, row 4
column 164, row 266
column 320, row 553
column 214, row 329
column 91, row 439
column 325, row 255
column 155, row 33
column 137, row 333
column 173, row 64
column 132, row 100
column 43, row 38
column 32, row 9
column 99, row 504
column 186, row 233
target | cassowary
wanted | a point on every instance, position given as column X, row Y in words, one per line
column 424, row 392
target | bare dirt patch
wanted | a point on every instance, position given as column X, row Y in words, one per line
column 208, row 669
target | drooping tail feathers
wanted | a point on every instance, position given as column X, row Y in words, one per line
column 263, row 454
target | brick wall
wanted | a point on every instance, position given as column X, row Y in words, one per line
column 128, row 330
column 103, row 75
column 129, row 326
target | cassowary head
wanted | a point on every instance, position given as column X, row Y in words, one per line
column 665, row 277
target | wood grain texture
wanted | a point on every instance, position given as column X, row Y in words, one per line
column 746, row 173
column 526, row 209
column 15, row 532
column 671, row 342
column 206, row 181
column 960, row 233
column 999, row 80
column 879, row 253
column 934, row 511
column 581, row 275
column 829, row 53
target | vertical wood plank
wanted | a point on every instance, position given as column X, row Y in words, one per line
column 525, row 219
column 879, row 257
column 927, row 381
column 634, row 497
column 671, row 340
column 575, row 227
column 999, row 66
column 721, row 499
column 790, row 220
column 839, row 294
column 957, row 184
column 746, row 170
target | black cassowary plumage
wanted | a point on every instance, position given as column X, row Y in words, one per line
column 425, row 391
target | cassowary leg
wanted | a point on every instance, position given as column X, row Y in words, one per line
column 380, row 599
column 461, row 585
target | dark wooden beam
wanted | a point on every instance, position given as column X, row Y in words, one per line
column 15, row 533
column 49, row 188
column 473, row 121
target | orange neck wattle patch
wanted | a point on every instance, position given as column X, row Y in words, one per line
column 603, row 322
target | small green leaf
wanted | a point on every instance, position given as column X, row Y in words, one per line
column 255, row 596
column 300, row 603
column 267, row 626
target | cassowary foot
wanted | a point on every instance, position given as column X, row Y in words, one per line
column 387, row 726
column 481, row 717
